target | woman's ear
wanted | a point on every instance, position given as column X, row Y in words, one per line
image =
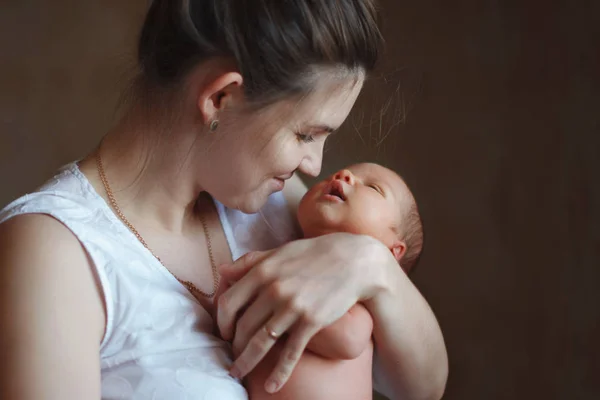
column 220, row 93
column 398, row 249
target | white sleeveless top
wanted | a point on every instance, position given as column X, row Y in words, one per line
column 158, row 343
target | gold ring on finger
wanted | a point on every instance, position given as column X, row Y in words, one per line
column 272, row 334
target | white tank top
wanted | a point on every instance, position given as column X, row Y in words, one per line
column 158, row 343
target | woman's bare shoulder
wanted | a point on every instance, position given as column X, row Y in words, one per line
column 49, row 301
column 39, row 239
column 42, row 260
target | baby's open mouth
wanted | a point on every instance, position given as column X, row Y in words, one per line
column 336, row 189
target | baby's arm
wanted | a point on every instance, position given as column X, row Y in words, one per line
column 346, row 338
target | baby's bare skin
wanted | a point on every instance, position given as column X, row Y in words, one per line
column 365, row 199
column 321, row 374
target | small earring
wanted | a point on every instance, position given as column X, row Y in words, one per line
column 214, row 124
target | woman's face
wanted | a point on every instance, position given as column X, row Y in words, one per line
column 253, row 154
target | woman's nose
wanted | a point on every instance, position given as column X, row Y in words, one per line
column 311, row 163
column 345, row 175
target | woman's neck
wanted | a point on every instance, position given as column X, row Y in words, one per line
column 151, row 178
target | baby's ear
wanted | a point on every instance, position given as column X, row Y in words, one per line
column 398, row 249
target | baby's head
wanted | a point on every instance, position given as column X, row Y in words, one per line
column 366, row 199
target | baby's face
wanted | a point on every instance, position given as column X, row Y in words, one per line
column 365, row 199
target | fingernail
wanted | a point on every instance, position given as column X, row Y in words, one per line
column 235, row 372
column 271, row 387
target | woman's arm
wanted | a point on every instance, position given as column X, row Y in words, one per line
column 411, row 360
column 51, row 313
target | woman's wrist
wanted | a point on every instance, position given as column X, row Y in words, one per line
column 381, row 271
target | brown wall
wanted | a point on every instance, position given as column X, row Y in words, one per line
column 63, row 64
column 492, row 110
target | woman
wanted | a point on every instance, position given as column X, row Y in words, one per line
column 110, row 271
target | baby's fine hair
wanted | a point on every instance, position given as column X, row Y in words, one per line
column 412, row 230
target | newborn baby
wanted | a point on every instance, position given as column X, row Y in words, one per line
column 364, row 199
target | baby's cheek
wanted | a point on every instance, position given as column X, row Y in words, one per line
column 306, row 209
column 371, row 220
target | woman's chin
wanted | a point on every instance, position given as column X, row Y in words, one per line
column 249, row 207
column 251, row 202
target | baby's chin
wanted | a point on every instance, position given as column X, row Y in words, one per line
column 318, row 225
column 314, row 231
column 313, row 224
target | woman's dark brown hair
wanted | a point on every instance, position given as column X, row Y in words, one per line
column 278, row 45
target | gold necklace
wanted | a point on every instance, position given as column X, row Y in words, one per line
column 188, row 285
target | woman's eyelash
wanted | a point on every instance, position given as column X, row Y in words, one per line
column 305, row 138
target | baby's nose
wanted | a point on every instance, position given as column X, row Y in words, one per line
column 344, row 175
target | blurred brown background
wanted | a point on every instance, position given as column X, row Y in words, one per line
column 490, row 110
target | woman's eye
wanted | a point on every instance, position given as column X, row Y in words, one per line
column 305, row 138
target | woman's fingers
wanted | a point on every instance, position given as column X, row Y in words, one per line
column 236, row 271
column 231, row 302
column 262, row 341
column 252, row 319
column 289, row 357
column 242, row 292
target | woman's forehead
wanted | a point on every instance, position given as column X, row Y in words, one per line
column 328, row 105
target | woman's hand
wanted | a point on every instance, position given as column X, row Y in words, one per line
column 297, row 290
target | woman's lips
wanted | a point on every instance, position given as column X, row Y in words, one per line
column 280, row 181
